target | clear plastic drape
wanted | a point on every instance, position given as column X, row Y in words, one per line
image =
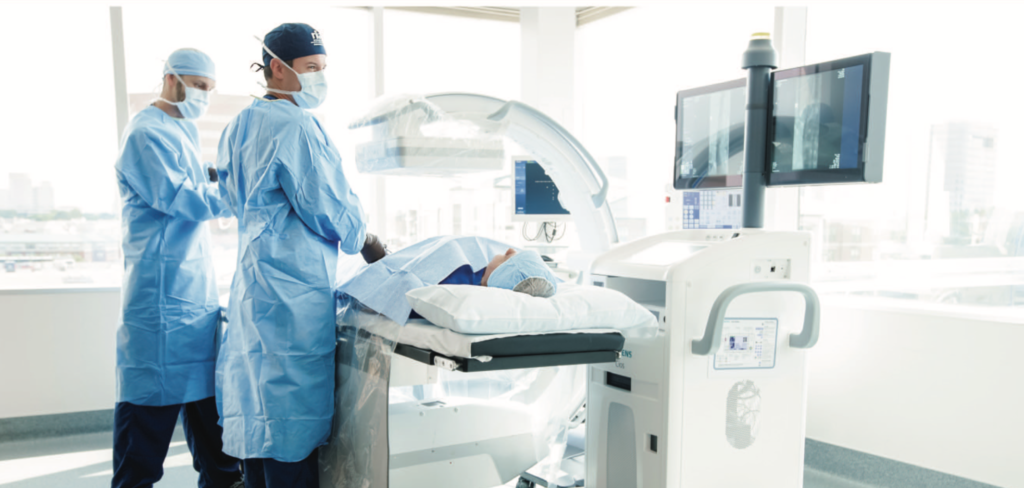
column 409, row 135
column 465, row 429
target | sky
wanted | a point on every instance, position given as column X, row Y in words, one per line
column 60, row 122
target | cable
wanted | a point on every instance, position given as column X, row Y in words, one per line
column 536, row 235
column 553, row 231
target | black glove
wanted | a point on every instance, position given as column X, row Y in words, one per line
column 373, row 249
column 213, row 174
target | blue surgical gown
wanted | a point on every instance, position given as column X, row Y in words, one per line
column 275, row 369
column 382, row 285
column 165, row 340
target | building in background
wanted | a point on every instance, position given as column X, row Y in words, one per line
column 851, row 241
column 961, row 184
column 23, row 198
column 20, row 195
column 89, row 248
column 42, row 197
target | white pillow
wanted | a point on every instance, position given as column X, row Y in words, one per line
column 469, row 309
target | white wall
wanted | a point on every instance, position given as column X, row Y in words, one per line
column 548, row 65
column 57, row 351
column 929, row 388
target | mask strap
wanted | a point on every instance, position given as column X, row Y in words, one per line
column 274, row 90
column 275, row 56
column 181, row 81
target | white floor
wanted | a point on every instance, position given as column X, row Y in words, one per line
column 81, row 461
column 84, row 461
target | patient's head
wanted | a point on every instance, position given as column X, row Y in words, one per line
column 524, row 272
column 498, row 260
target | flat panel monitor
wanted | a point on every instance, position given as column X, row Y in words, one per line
column 709, row 136
column 536, row 196
column 827, row 123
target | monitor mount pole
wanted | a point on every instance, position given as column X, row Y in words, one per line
column 758, row 60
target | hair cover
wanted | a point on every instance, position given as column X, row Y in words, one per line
column 525, row 272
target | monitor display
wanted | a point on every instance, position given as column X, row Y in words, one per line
column 536, row 196
column 709, row 136
column 819, row 129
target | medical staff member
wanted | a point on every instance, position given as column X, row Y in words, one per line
column 166, row 339
column 283, row 178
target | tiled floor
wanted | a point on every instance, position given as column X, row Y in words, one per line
column 83, row 461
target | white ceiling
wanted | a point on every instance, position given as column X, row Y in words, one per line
column 584, row 15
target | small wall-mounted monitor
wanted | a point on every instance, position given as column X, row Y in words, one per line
column 536, row 196
column 827, row 122
column 709, row 136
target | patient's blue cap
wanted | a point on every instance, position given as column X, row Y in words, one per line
column 525, row 272
column 190, row 62
column 292, row 41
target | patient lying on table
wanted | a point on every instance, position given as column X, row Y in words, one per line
column 447, row 260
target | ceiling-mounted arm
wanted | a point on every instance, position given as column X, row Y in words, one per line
column 583, row 186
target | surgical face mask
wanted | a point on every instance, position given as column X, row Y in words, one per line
column 314, row 86
column 196, row 101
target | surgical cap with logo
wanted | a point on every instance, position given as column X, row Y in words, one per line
column 291, row 41
column 525, row 272
column 190, row 62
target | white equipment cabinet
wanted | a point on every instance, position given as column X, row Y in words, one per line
column 718, row 398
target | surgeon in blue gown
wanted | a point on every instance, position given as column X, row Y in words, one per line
column 283, row 178
column 166, row 338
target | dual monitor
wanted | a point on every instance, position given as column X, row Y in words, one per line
column 826, row 124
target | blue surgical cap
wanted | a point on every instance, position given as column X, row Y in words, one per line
column 525, row 272
column 290, row 41
column 190, row 62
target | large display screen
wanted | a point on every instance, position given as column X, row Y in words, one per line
column 536, row 196
column 819, row 122
column 709, row 136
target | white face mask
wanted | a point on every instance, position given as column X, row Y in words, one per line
column 196, row 101
column 314, row 86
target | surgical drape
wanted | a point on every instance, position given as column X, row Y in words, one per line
column 382, row 286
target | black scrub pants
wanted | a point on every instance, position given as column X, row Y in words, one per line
column 270, row 473
column 142, row 436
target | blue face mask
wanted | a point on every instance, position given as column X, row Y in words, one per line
column 314, row 86
column 196, row 101
column 314, row 89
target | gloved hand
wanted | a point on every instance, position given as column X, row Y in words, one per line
column 373, row 249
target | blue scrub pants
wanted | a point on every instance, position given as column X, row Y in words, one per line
column 269, row 473
column 142, row 436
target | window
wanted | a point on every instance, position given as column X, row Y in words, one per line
column 59, row 204
column 58, row 198
column 153, row 32
column 629, row 68
column 947, row 223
